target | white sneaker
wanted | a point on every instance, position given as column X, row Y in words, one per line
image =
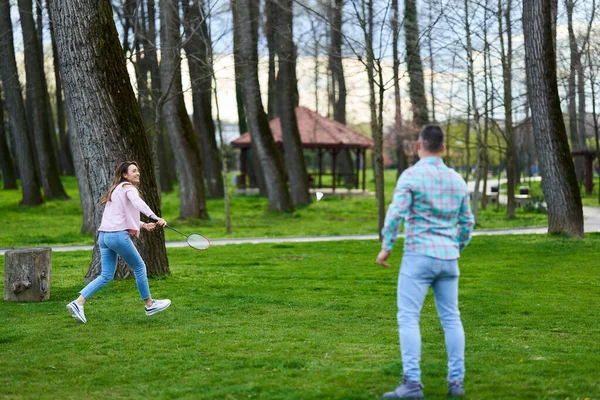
column 157, row 306
column 76, row 311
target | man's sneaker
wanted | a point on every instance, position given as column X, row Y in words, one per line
column 408, row 390
column 157, row 306
column 76, row 311
column 456, row 388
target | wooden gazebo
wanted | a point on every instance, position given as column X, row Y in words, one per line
column 320, row 134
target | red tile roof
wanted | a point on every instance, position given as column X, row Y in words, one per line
column 316, row 131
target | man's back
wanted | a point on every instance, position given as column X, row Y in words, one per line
column 432, row 199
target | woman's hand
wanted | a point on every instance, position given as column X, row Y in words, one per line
column 149, row 226
column 158, row 221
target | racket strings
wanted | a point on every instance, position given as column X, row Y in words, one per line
column 198, row 241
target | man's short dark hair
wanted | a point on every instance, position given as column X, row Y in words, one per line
column 432, row 138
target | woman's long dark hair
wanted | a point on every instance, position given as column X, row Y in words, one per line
column 117, row 179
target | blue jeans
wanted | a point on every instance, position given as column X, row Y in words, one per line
column 113, row 244
column 417, row 273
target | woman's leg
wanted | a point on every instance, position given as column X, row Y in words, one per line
column 132, row 257
column 109, row 266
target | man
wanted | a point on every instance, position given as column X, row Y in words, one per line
column 433, row 200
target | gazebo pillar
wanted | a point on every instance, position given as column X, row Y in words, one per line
column 320, row 153
column 243, row 166
column 357, row 168
column 364, row 169
column 333, row 170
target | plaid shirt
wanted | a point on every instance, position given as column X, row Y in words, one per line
column 432, row 199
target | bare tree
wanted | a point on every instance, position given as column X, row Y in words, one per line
column 402, row 162
column 66, row 157
column 559, row 182
column 415, row 64
column 286, row 105
column 575, row 64
column 109, row 124
column 184, row 143
column 16, row 110
column 471, row 74
column 9, row 176
column 506, row 55
column 37, row 95
column 263, row 144
column 198, row 48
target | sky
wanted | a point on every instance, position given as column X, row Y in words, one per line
column 447, row 41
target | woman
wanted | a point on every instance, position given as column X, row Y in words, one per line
column 121, row 218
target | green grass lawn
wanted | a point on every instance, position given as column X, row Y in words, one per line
column 310, row 321
column 59, row 222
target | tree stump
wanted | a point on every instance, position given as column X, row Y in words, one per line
column 27, row 274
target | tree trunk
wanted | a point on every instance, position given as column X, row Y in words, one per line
column 286, row 108
column 88, row 207
column 263, row 145
column 37, row 94
column 27, row 274
column 9, row 176
column 559, row 182
column 184, row 143
column 167, row 169
column 337, row 89
column 109, row 124
column 575, row 62
column 402, row 162
column 415, row 65
column 376, row 124
column 270, row 32
column 486, row 124
column 16, row 110
column 224, row 173
column 431, row 63
column 478, row 141
column 506, row 59
column 66, row 156
column 198, row 49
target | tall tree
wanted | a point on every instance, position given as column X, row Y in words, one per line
column 479, row 144
column 415, row 65
column 32, row 194
column 286, row 105
column 66, row 157
column 486, row 121
column 559, row 182
column 88, row 206
column 506, row 54
column 9, row 176
column 575, row 64
column 337, row 88
column 263, row 145
column 37, row 95
column 184, row 143
column 109, row 124
column 402, row 162
column 198, row 48
column 161, row 145
column 270, row 30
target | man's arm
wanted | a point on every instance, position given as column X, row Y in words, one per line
column 396, row 212
column 466, row 222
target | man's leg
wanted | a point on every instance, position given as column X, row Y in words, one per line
column 445, row 290
column 413, row 283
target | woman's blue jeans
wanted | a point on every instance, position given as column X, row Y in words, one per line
column 112, row 245
column 417, row 273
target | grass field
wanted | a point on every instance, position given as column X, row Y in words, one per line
column 59, row 222
column 310, row 321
